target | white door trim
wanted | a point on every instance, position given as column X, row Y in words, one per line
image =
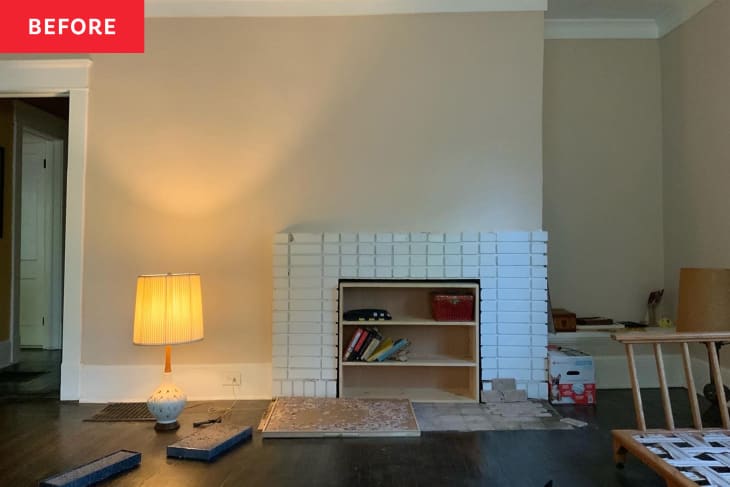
column 63, row 77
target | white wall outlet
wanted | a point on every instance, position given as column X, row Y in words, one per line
column 231, row 378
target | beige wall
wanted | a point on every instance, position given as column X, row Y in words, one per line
column 696, row 75
column 6, row 256
column 603, row 175
column 228, row 130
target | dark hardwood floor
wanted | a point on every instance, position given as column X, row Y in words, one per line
column 43, row 437
column 36, row 376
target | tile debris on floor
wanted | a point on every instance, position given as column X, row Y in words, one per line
column 523, row 415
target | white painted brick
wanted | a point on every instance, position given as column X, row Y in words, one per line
column 281, row 250
column 514, row 294
column 419, row 260
column 401, row 249
column 348, row 237
column 513, row 248
column 513, row 283
column 539, row 330
column 419, row 248
column 305, row 362
column 305, row 316
column 329, row 339
column 539, row 341
column 309, row 305
column 278, row 373
column 513, row 328
column 507, row 373
column 532, row 390
column 305, row 351
column 512, row 317
column 513, row 236
column 540, row 352
column 435, row 272
column 383, row 260
column 305, row 249
column 539, row 283
column 349, row 260
column 331, row 249
column 539, row 272
column 305, row 271
column 489, row 352
column 418, row 272
column 400, row 260
column 281, row 238
column 348, row 271
column 486, row 386
column 400, row 272
column 514, row 341
column 452, row 271
column 401, row 237
column 434, row 248
column 489, row 340
column 280, row 305
column 281, row 260
column 366, row 249
column 471, row 271
column 419, row 237
column 452, row 237
column 435, row 237
column 470, row 248
column 329, row 351
column 275, row 388
column 469, row 236
column 281, row 272
column 539, row 375
column 280, row 316
column 435, row 260
column 384, row 237
column 384, row 272
column 366, row 272
column 366, row 260
column 329, row 374
column 539, row 236
column 513, row 259
column 297, row 388
column 320, row 388
column 281, row 283
column 538, row 248
column 305, row 327
column 539, row 260
column 309, row 388
column 332, row 260
column 306, row 237
column 331, row 389
column 329, row 305
column 489, row 306
column 348, row 249
column 542, row 388
column 539, row 295
column 279, row 350
column 278, row 339
column 514, row 305
column 329, row 317
column 488, row 248
column 539, row 306
column 329, row 363
column 488, row 271
column 308, row 293
column 331, row 272
column 331, row 237
column 489, row 282
column 515, row 352
column 488, row 329
column 470, row 260
column 488, row 260
column 279, row 328
column 488, row 317
column 305, row 282
column 452, row 248
column 538, row 363
column 539, row 317
column 365, row 237
column 490, row 294
column 487, row 236
column 514, row 271
column 383, row 249
column 304, row 339
column 286, row 388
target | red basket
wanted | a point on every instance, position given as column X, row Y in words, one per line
column 452, row 307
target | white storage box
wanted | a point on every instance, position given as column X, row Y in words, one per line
column 572, row 377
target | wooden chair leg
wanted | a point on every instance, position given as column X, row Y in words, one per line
column 619, row 454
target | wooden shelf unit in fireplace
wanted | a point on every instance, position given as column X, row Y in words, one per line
column 443, row 356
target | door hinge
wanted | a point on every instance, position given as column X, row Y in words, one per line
column 44, row 163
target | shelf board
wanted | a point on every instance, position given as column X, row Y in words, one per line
column 417, row 361
column 409, row 322
column 415, row 394
column 435, row 284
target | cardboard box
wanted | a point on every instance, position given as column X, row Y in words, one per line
column 572, row 377
column 563, row 320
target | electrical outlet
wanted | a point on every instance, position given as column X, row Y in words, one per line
column 231, row 378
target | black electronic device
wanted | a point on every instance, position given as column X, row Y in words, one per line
column 367, row 314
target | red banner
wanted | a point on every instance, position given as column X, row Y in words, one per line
column 71, row 26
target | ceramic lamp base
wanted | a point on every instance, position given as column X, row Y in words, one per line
column 166, row 404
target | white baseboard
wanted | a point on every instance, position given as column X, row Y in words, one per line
column 70, row 380
column 135, row 383
column 6, row 349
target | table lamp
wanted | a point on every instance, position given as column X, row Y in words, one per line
column 704, row 305
column 168, row 311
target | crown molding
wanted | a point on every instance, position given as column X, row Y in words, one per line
column 311, row 8
column 674, row 17
column 601, row 29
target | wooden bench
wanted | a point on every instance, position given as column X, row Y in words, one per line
column 682, row 457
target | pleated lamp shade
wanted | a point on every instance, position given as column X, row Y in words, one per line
column 168, row 310
column 704, row 300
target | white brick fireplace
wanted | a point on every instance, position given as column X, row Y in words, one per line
column 511, row 267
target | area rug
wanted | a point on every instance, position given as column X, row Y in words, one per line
column 123, row 411
column 524, row 415
column 310, row 417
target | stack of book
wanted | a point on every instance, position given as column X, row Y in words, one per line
column 368, row 345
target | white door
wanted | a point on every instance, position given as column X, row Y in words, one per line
column 35, row 232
